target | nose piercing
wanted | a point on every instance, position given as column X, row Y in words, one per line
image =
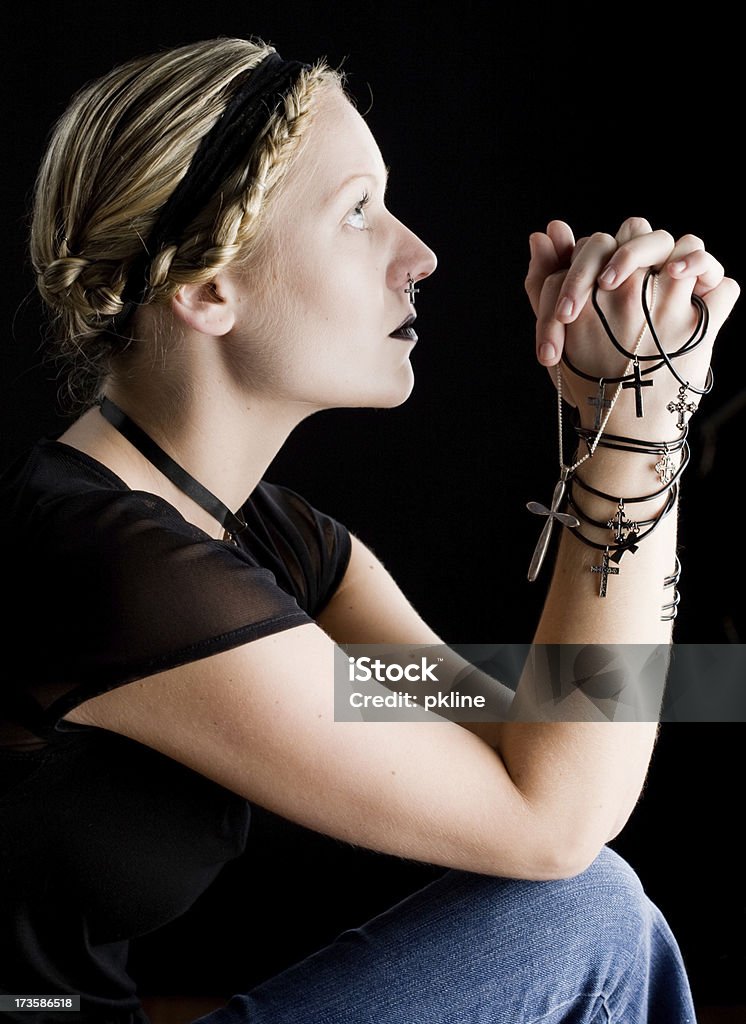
column 410, row 289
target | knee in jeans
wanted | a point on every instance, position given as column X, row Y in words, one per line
column 605, row 905
column 614, row 897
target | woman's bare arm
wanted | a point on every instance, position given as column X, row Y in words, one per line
column 526, row 798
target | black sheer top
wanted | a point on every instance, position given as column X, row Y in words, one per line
column 103, row 839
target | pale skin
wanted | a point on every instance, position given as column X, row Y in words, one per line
column 257, row 356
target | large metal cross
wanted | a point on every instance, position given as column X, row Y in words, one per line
column 552, row 514
column 638, row 384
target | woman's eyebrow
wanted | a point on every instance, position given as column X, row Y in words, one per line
column 360, row 175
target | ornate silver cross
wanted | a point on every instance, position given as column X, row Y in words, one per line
column 551, row 513
column 665, row 467
column 410, row 289
column 681, row 406
column 622, row 526
column 606, row 570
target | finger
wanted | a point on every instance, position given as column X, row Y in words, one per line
column 631, row 228
column 685, row 245
column 544, row 261
column 720, row 302
column 563, row 239
column 683, row 250
column 700, row 265
column 648, row 250
column 579, row 246
column 550, row 333
column 582, row 275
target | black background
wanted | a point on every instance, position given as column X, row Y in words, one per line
column 490, row 131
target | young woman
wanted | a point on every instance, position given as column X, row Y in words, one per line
column 211, row 236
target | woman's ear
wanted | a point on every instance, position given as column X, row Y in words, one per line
column 207, row 308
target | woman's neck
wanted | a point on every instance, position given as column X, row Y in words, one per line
column 224, row 438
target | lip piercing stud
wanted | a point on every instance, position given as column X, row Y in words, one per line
column 410, row 289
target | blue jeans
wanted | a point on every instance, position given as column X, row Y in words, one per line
column 471, row 949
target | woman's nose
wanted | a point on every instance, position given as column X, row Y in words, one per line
column 425, row 263
column 413, row 261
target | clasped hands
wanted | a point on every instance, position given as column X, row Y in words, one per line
column 559, row 283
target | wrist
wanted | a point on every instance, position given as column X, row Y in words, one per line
column 629, row 474
column 661, row 419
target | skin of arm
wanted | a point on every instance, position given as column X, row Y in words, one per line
column 603, row 764
column 521, row 798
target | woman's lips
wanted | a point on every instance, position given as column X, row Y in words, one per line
column 405, row 329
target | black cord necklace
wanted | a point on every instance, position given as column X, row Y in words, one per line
column 703, row 319
column 231, row 523
column 703, row 323
column 634, row 379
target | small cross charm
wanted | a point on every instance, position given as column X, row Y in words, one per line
column 622, row 526
column 665, row 467
column 606, row 570
column 638, row 384
column 410, row 289
column 681, row 407
column 601, row 402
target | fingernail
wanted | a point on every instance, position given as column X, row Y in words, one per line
column 547, row 352
column 678, row 266
column 531, row 245
column 608, row 276
column 565, row 307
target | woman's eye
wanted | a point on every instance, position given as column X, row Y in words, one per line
column 357, row 218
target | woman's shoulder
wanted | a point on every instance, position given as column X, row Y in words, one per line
column 54, row 491
column 60, row 506
column 50, row 471
column 128, row 586
column 51, row 478
column 307, row 549
column 287, row 508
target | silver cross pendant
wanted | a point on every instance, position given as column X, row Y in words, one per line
column 552, row 514
column 681, row 406
column 605, row 570
column 665, row 467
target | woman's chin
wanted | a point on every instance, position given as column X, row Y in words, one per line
column 396, row 394
column 382, row 392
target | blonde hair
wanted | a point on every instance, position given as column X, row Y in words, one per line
column 114, row 158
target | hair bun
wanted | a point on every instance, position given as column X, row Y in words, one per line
column 81, row 286
column 59, row 277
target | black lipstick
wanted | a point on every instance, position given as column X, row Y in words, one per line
column 405, row 330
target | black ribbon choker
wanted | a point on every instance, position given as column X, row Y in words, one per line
column 171, row 469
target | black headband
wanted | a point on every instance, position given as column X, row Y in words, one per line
column 218, row 155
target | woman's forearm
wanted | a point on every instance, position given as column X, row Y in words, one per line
column 584, row 720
